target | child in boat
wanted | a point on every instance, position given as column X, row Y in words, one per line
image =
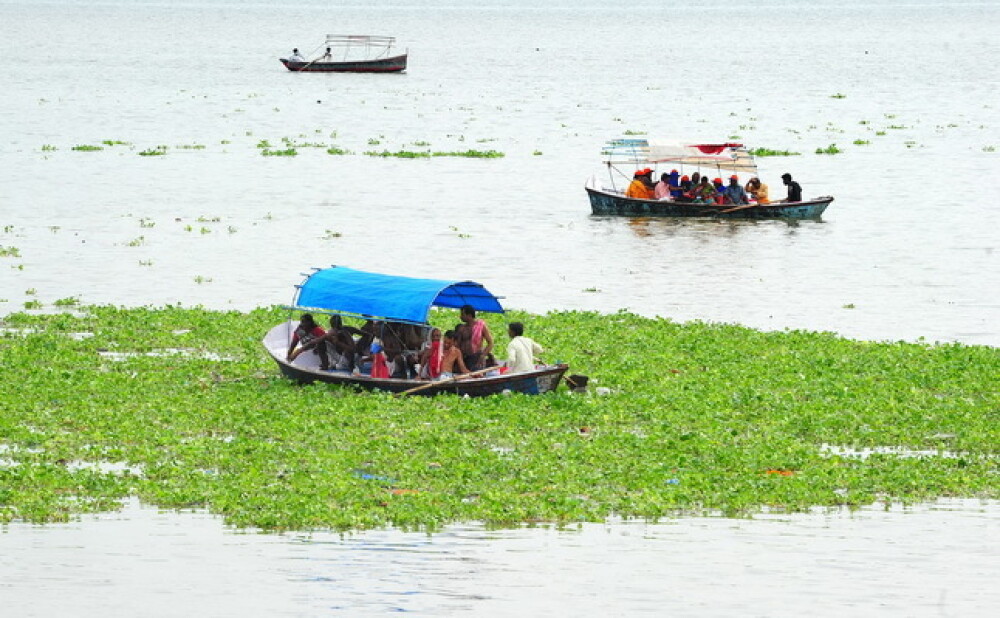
column 377, row 358
column 430, row 357
column 451, row 358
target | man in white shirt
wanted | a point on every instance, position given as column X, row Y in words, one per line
column 521, row 351
column 296, row 56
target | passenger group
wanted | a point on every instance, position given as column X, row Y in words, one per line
column 698, row 189
column 383, row 349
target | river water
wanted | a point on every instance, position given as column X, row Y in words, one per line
column 907, row 251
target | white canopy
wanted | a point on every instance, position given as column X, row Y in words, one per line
column 726, row 156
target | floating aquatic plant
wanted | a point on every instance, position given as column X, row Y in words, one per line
column 9, row 251
column 334, row 150
column 690, row 419
column 838, row 96
column 831, row 149
column 48, row 148
column 288, row 152
column 153, row 152
column 87, row 147
column 402, row 154
column 861, row 142
column 475, row 154
column 767, row 152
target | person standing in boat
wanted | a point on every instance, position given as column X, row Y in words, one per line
column 309, row 335
column 638, row 189
column 794, row 190
column 296, row 56
column 327, row 57
column 522, row 352
column 478, row 336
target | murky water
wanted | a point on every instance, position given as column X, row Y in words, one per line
column 937, row 560
column 907, row 250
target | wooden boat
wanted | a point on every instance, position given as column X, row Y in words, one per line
column 352, row 53
column 398, row 300
column 710, row 159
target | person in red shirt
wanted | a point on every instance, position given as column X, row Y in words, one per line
column 309, row 336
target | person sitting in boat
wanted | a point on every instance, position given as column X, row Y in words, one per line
column 378, row 360
column 479, row 341
column 521, row 351
column 296, row 56
column 451, row 358
column 647, row 178
column 340, row 343
column 794, row 190
column 309, row 335
column 686, row 189
column 637, row 189
column 674, row 180
column 704, row 192
column 496, row 370
column 665, row 189
column 758, row 191
column 735, row 194
column 720, row 191
column 430, row 357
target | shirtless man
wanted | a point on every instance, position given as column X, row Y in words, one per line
column 476, row 341
column 450, row 357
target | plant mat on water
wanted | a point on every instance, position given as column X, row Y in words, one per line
column 183, row 408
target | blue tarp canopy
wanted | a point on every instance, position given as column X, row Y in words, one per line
column 399, row 299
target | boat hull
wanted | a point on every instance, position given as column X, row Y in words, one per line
column 394, row 64
column 611, row 204
column 306, row 370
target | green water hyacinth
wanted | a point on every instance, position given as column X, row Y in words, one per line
column 767, row 152
column 182, row 408
column 475, row 154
